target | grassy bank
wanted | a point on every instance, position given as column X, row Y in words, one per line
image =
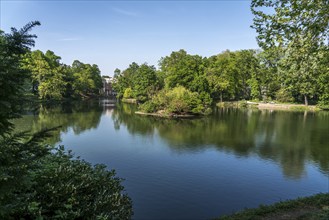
column 308, row 208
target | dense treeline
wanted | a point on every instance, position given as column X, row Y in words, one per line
column 292, row 65
column 37, row 181
column 50, row 79
column 230, row 75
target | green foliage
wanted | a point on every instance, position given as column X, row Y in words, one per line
column 37, row 182
column 71, row 189
column 183, row 69
column 231, row 75
column 145, row 82
column 324, row 105
column 13, row 47
column 238, row 75
column 56, row 185
column 310, row 208
column 142, row 81
column 179, row 100
column 221, row 75
column 299, row 29
column 124, row 79
column 51, row 79
column 284, row 96
column 87, row 79
column 148, row 107
column 128, row 93
column 19, row 155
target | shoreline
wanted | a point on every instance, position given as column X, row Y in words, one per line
column 307, row 208
column 165, row 115
column 268, row 106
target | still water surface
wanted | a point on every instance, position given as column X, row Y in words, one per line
column 200, row 168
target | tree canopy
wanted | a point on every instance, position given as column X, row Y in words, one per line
column 37, row 181
column 300, row 29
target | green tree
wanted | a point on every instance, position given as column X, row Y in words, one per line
column 125, row 79
column 145, row 82
column 183, row 69
column 301, row 29
column 87, row 79
column 37, row 182
column 12, row 76
column 221, row 75
column 248, row 78
column 268, row 72
column 48, row 74
column 323, row 80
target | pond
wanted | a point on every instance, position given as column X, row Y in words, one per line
column 196, row 168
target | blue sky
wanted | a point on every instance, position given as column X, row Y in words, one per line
column 113, row 34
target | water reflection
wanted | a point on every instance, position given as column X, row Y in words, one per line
column 289, row 138
column 78, row 116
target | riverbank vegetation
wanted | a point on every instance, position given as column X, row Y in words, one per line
column 307, row 208
column 42, row 75
column 291, row 66
column 51, row 79
column 36, row 180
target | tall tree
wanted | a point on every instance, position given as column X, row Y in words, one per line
column 48, row 74
column 184, row 69
column 145, row 82
column 87, row 79
column 301, row 28
column 125, row 79
column 221, row 74
column 12, row 76
column 248, row 74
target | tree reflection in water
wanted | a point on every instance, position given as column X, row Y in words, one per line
column 291, row 139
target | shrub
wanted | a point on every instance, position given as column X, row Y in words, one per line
column 37, row 183
column 324, row 102
column 179, row 100
column 148, row 107
column 128, row 93
column 283, row 95
column 73, row 189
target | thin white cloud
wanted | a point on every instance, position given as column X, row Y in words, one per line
column 125, row 12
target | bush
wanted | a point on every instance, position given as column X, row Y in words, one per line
column 128, row 93
column 284, row 95
column 323, row 106
column 148, row 107
column 37, row 184
column 179, row 100
column 324, row 102
column 74, row 189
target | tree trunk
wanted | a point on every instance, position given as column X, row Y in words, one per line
column 221, row 97
column 305, row 99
